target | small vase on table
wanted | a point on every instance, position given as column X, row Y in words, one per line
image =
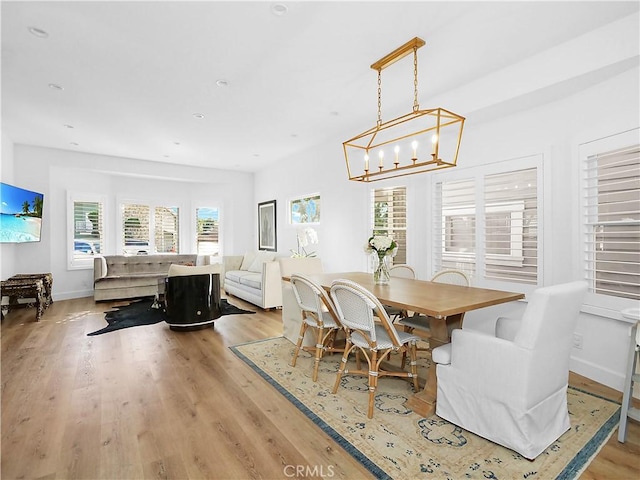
column 381, row 274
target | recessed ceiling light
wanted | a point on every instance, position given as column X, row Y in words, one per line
column 279, row 9
column 38, row 32
column 199, row 116
column 55, row 86
column 222, row 83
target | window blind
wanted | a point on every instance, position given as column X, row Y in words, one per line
column 612, row 222
column 136, row 233
column 389, row 217
column 510, row 226
column 87, row 231
column 166, row 230
column 455, row 226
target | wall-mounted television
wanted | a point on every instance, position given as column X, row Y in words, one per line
column 20, row 214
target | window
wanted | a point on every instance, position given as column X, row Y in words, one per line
column 510, row 227
column 305, row 210
column 486, row 224
column 144, row 233
column 389, row 217
column 612, row 222
column 86, row 221
column 455, row 227
column 166, row 230
column 208, row 231
column 136, row 227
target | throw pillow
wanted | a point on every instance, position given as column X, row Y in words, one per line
column 248, row 259
column 261, row 258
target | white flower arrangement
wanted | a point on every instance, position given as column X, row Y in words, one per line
column 304, row 237
column 383, row 245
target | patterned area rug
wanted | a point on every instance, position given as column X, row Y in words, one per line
column 400, row 444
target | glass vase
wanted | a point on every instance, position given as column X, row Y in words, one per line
column 381, row 270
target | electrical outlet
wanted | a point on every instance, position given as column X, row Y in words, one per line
column 577, row 340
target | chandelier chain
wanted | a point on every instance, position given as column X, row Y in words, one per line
column 416, row 107
column 379, row 97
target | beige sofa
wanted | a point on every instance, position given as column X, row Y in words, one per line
column 254, row 277
column 120, row 276
column 291, row 314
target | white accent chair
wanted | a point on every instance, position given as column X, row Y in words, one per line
column 318, row 312
column 357, row 310
column 511, row 388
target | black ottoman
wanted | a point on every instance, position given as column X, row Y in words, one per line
column 192, row 301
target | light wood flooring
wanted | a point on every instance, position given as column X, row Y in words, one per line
column 147, row 402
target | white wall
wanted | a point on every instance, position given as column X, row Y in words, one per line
column 58, row 172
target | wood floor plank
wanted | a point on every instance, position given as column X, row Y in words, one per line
column 149, row 402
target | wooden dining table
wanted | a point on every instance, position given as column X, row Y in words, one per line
column 444, row 304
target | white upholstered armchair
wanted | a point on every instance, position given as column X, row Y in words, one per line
column 511, row 388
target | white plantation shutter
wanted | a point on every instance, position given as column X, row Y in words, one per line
column 136, row 228
column 166, row 230
column 455, row 226
column 88, row 232
column 389, row 217
column 510, row 226
column 612, row 223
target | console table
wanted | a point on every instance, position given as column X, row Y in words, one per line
column 33, row 286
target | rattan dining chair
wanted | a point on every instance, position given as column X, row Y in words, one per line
column 421, row 322
column 357, row 310
column 399, row 271
column 319, row 313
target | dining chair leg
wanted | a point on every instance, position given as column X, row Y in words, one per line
column 343, row 364
column 319, row 352
column 404, row 352
column 414, row 366
column 303, row 329
column 373, row 380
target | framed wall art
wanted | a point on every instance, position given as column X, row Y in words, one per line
column 267, row 235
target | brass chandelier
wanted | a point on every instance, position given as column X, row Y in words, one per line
column 419, row 141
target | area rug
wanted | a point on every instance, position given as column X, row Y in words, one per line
column 141, row 312
column 399, row 444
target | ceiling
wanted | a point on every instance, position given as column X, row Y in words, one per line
column 131, row 75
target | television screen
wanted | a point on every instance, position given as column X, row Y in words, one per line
column 20, row 214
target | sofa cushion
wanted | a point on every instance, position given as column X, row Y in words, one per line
column 248, row 259
column 250, row 279
column 261, row 258
column 253, row 280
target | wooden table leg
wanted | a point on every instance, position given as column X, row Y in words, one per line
column 424, row 402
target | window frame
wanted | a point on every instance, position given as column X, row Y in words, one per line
column 152, row 205
column 598, row 303
column 74, row 263
column 477, row 174
column 372, row 226
column 194, row 223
